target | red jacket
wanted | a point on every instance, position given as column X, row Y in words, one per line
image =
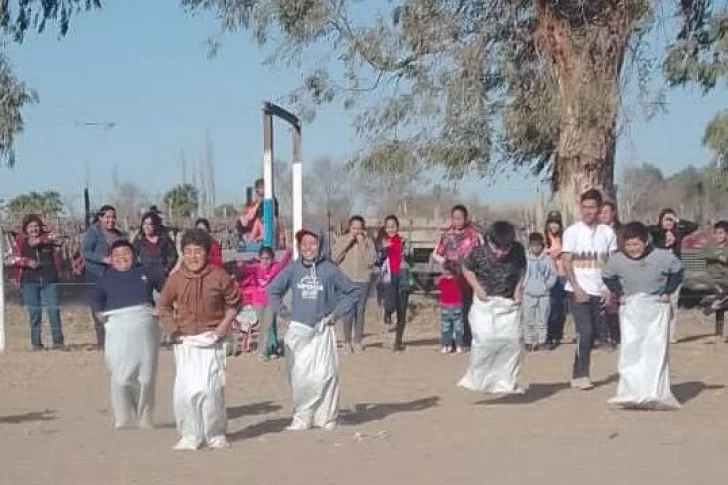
column 216, row 253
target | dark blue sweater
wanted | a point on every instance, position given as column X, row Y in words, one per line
column 117, row 289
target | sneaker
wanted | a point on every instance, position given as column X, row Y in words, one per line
column 219, row 443
column 185, row 444
column 265, row 357
column 460, row 350
column 330, row 426
column 445, row 350
column 297, row 425
column 582, row 384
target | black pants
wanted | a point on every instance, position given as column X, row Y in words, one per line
column 395, row 298
column 467, row 294
column 557, row 315
column 588, row 319
column 91, row 282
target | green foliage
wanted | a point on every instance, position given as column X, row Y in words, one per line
column 463, row 85
column 45, row 204
column 14, row 96
column 36, row 14
column 182, row 201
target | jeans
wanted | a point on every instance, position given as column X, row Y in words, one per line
column 451, row 326
column 557, row 314
column 99, row 328
column 588, row 318
column 268, row 331
column 37, row 296
column 354, row 322
column 395, row 299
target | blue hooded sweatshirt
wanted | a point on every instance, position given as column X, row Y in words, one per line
column 318, row 287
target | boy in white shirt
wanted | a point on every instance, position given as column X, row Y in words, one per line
column 587, row 247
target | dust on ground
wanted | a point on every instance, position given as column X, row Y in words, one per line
column 404, row 420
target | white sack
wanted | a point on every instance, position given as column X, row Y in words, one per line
column 199, row 385
column 495, row 353
column 313, row 372
column 132, row 348
column 644, row 363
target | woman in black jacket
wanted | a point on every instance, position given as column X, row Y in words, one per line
column 669, row 234
column 154, row 248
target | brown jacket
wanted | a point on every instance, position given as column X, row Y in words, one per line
column 200, row 299
column 355, row 259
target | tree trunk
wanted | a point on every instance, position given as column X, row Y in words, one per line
column 584, row 58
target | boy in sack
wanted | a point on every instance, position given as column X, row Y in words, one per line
column 122, row 302
column 643, row 278
column 321, row 293
column 540, row 278
column 207, row 301
column 451, row 309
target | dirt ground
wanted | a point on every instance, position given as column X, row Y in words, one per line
column 404, row 421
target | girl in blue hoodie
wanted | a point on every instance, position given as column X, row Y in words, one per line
column 320, row 294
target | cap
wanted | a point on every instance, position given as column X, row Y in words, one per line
column 553, row 216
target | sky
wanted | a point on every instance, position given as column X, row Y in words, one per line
column 143, row 65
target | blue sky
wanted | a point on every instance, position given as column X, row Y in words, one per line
column 143, row 65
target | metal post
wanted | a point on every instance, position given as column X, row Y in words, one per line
column 269, row 111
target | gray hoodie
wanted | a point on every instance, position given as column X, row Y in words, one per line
column 540, row 275
column 656, row 272
column 318, row 288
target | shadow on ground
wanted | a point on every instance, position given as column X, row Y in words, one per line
column 367, row 412
column 687, row 391
column 254, row 409
column 45, row 415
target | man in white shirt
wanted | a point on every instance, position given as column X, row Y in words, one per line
column 587, row 247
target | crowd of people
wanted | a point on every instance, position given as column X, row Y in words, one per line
column 497, row 297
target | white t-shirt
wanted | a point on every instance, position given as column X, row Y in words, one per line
column 590, row 248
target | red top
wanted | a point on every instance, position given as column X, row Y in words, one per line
column 394, row 254
column 450, row 294
column 216, row 253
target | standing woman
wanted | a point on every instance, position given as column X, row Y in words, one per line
column 455, row 245
column 37, row 263
column 95, row 250
column 154, row 248
column 554, row 232
column 396, row 278
column 215, row 248
column 354, row 253
column 608, row 216
column 669, row 234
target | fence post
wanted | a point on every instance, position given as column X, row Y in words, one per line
column 2, row 291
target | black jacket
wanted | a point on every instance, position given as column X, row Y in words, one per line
column 681, row 229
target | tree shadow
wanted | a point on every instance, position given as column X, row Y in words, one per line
column 254, row 409
column 687, row 391
column 534, row 393
column 694, row 338
column 45, row 415
column 425, row 342
column 269, row 426
column 367, row 412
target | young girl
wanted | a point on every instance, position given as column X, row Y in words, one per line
column 256, row 275
column 395, row 276
column 451, row 308
column 553, row 233
column 321, row 293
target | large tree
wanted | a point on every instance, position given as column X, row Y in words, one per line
column 462, row 84
column 16, row 19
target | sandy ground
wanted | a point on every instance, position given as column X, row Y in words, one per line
column 405, row 421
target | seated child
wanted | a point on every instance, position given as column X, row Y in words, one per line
column 321, row 293
column 123, row 303
column 255, row 277
column 196, row 308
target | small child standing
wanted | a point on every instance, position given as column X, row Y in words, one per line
column 451, row 309
column 256, row 275
column 540, row 277
column 196, row 308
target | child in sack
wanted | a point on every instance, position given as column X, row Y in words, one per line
column 321, row 293
column 207, row 302
column 642, row 276
column 540, row 278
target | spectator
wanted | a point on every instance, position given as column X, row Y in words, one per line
column 354, row 253
column 553, row 237
column 154, row 248
column 669, row 234
column 215, row 256
column 37, row 263
column 96, row 255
